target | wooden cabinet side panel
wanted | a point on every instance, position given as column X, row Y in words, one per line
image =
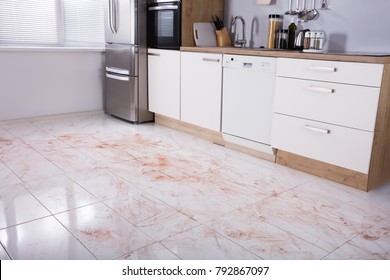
column 198, row 11
column 324, row 170
column 380, row 160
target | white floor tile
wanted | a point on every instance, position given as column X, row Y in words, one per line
column 152, row 252
column 59, row 194
column 106, row 234
column 7, row 177
column 263, row 239
column 18, row 206
column 153, row 217
column 44, row 239
column 203, row 243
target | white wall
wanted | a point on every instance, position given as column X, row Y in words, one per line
column 350, row 25
column 39, row 83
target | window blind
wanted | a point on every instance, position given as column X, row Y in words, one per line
column 31, row 22
column 53, row 22
column 84, row 20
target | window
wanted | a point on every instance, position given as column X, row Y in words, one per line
column 84, row 21
column 51, row 22
column 32, row 22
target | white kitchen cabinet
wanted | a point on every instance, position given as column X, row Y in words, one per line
column 201, row 89
column 325, row 118
column 164, row 82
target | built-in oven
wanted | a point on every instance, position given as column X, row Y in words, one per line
column 164, row 24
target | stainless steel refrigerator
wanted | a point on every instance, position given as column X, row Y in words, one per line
column 126, row 89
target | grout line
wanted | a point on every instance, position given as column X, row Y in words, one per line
column 5, row 250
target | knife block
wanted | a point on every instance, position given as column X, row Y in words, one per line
column 223, row 39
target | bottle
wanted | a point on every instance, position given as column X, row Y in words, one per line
column 273, row 25
column 292, row 28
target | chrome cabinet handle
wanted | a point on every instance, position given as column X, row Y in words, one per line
column 211, row 59
column 323, row 69
column 322, row 90
column 318, row 130
column 120, row 78
column 154, row 54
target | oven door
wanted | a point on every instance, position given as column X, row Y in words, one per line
column 164, row 25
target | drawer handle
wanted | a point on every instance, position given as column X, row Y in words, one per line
column 154, row 54
column 322, row 90
column 323, row 69
column 211, row 60
column 318, row 130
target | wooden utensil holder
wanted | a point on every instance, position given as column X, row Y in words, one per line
column 223, row 39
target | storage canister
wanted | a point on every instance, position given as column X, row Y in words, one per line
column 275, row 22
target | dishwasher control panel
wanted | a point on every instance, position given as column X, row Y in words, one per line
column 255, row 63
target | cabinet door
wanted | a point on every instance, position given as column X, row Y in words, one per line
column 201, row 89
column 164, row 82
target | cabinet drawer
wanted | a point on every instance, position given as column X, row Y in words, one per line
column 345, row 105
column 331, row 71
column 340, row 146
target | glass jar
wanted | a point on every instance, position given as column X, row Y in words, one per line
column 281, row 39
column 274, row 23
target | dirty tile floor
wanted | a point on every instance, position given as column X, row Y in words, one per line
column 94, row 187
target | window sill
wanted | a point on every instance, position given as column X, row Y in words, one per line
column 70, row 48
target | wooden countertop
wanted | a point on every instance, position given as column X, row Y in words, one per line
column 364, row 58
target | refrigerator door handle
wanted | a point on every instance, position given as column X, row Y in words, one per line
column 118, row 71
column 115, row 77
column 116, row 15
column 112, row 16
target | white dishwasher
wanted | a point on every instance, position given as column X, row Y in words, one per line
column 248, row 93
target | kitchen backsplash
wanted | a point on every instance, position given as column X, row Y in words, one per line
column 350, row 25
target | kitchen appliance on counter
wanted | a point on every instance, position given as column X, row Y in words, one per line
column 248, row 90
column 126, row 93
column 300, row 39
column 164, row 24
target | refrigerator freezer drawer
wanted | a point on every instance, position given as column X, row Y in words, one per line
column 122, row 96
column 123, row 57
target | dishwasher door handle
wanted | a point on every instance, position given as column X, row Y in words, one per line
column 247, row 65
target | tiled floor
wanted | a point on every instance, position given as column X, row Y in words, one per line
column 93, row 187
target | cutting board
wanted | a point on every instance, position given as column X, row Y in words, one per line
column 204, row 34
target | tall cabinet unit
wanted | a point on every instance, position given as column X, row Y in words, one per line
column 164, row 65
column 201, row 89
column 164, row 82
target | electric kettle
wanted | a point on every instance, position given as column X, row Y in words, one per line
column 299, row 41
